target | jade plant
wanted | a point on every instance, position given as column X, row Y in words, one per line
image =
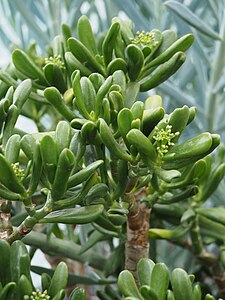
column 108, row 161
column 16, row 281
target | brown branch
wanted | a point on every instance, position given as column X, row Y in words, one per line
column 137, row 243
column 5, row 219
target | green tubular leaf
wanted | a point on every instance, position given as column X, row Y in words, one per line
column 84, row 174
column 96, row 193
column 181, row 45
column 93, row 239
column 12, row 116
column 63, row 171
column 22, row 93
column 187, row 15
column 119, row 46
column 127, row 285
column 212, row 229
column 153, row 102
column 209, row 297
column 56, row 99
column 214, row 214
column 117, row 219
column 124, row 120
column 106, row 113
column 83, row 54
column 132, row 92
column 213, row 182
column 60, row 295
column 192, row 113
column 36, row 170
column 78, row 215
column 105, row 223
column 86, row 35
column 24, row 286
column 163, row 72
column 168, row 38
column 59, row 280
column 190, row 191
column 3, row 112
column 77, row 146
column 182, row 287
column 178, row 120
column 89, row 132
column 170, row 295
column 103, row 90
column 80, row 103
column 148, row 293
column 7, row 290
column 144, row 269
column 8, row 177
column 147, row 151
column 55, row 77
column 74, row 64
column 151, row 118
column 137, row 110
column 119, row 78
column 19, row 261
column 8, row 79
column 191, row 148
column 97, row 80
column 196, row 172
column 12, row 148
column 116, row 100
column 28, row 144
column 4, row 262
column 66, row 31
column 63, row 135
column 115, row 65
column 160, row 280
column 122, row 179
column 110, row 142
column 49, row 150
column 135, row 61
column 8, row 195
column 167, row 175
column 49, row 154
column 126, row 29
column 78, row 294
column 109, row 42
column 45, row 281
column 173, row 234
column 25, row 65
column 114, row 294
column 88, row 93
column 103, row 295
column 197, row 293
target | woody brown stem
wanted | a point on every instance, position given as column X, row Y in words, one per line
column 137, row 243
column 5, row 219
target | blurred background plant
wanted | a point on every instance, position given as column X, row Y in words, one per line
column 201, row 84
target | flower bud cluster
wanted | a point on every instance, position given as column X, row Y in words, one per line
column 16, row 168
column 56, row 59
column 163, row 138
column 145, row 39
column 37, row 295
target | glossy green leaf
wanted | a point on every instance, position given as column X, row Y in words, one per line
column 78, row 215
